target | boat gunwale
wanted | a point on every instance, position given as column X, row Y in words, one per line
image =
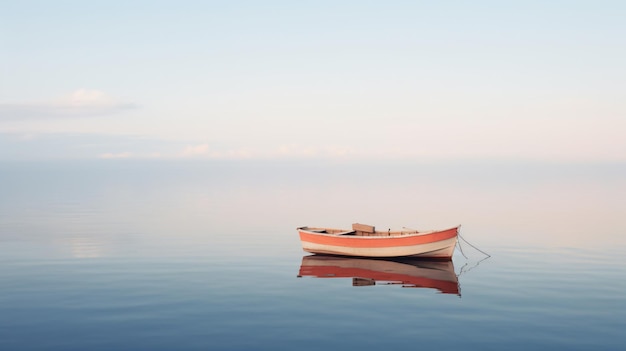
column 378, row 234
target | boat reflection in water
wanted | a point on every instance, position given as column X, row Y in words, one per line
column 410, row 273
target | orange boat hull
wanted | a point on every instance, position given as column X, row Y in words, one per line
column 435, row 244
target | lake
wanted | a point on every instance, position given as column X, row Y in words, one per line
column 165, row 255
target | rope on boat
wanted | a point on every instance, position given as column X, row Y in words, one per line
column 463, row 269
column 458, row 233
column 468, row 243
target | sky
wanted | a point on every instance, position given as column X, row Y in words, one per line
column 367, row 80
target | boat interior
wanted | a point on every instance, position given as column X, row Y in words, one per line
column 361, row 230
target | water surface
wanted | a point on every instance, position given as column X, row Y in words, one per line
column 197, row 256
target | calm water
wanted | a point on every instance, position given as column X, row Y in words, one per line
column 205, row 256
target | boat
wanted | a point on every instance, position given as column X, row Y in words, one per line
column 409, row 273
column 365, row 241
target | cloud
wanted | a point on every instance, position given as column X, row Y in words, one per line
column 234, row 154
column 189, row 151
column 80, row 103
column 91, row 98
column 76, row 146
column 195, row 150
column 204, row 151
column 300, row 151
column 110, row 155
column 285, row 151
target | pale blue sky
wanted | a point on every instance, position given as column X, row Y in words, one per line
column 541, row 80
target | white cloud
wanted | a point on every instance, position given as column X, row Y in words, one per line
column 299, row 151
column 131, row 155
column 80, row 103
column 283, row 151
column 241, row 153
column 204, row 151
column 195, row 150
column 84, row 97
column 110, row 155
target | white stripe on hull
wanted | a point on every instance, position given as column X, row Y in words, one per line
column 443, row 248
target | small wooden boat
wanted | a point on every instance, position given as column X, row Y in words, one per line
column 365, row 241
column 407, row 272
